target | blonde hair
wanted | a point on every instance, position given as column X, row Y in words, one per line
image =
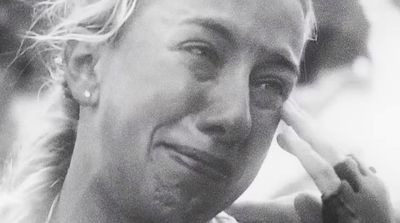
column 35, row 173
column 311, row 22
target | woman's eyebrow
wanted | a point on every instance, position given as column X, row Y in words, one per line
column 284, row 62
column 226, row 31
column 215, row 25
column 279, row 56
column 277, row 60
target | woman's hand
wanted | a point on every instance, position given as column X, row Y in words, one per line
column 304, row 140
column 351, row 192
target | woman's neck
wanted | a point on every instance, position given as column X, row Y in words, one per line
column 81, row 197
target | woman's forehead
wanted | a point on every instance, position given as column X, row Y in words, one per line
column 286, row 8
column 259, row 13
column 273, row 21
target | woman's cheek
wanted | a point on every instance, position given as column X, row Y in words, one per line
column 176, row 102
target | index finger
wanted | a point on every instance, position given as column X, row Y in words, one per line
column 306, row 128
column 317, row 167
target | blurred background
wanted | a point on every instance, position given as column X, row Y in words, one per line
column 350, row 83
column 19, row 79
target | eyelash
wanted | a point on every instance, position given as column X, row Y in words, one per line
column 201, row 49
column 268, row 92
column 272, row 82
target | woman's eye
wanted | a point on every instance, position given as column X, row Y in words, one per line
column 202, row 51
column 271, row 86
column 267, row 93
column 199, row 51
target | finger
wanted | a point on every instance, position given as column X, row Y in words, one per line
column 305, row 127
column 318, row 168
column 362, row 167
column 349, row 170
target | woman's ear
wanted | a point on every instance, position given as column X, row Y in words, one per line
column 81, row 59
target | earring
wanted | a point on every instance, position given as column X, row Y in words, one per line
column 87, row 94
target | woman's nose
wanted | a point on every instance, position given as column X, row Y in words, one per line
column 227, row 118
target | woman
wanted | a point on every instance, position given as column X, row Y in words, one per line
column 163, row 110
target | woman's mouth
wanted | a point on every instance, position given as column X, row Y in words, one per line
column 201, row 162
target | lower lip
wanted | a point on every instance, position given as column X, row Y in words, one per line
column 196, row 166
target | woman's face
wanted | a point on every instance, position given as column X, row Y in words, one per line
column 189, row 101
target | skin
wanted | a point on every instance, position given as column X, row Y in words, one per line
column 183, row 109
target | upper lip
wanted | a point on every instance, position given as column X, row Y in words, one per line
column 220, row 167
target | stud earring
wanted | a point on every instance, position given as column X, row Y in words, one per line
column 87, row 94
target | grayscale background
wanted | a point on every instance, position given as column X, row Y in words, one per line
column 350, row 83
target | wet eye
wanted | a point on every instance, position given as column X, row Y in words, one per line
column 199, row 51
column 267, row 93
column 202, row 50
column 271, row 87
